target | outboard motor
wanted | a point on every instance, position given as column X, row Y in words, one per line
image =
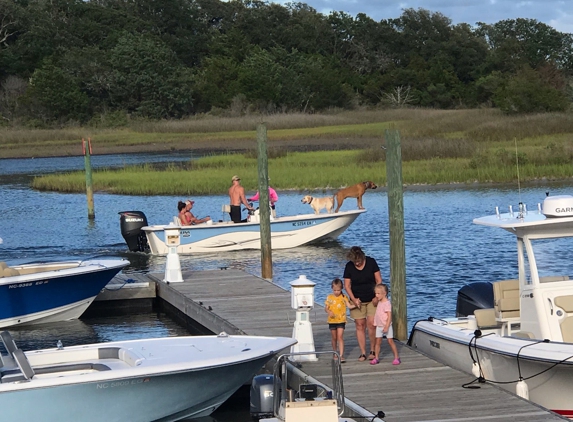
column 131, row 223
column 262, row 396
column 474, row 296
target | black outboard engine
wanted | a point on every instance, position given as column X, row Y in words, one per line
column 262, row 396
column 131, row 223
column 474, row 296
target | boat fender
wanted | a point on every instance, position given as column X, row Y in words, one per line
column 521, row 389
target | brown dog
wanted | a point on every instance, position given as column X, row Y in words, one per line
column 354, row 191
column 319, row 203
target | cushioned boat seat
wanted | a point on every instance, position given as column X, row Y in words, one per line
column 566, row 303
column 485, row 318
column 506, row 299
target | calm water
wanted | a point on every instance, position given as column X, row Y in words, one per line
column 444, row 250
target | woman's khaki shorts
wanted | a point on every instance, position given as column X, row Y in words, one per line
column 365, row 310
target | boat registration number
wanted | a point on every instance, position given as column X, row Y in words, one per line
column 103, row 385
column 303, row 223
column 34, row 283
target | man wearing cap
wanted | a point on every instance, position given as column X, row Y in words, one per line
column 237, row 197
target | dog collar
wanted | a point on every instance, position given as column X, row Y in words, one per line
column 311, row 199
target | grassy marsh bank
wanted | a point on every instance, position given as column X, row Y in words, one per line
column 342, row 130
column 319, row 170
column 438, row 146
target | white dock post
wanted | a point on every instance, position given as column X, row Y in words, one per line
column 172, row 264
column 302, row 300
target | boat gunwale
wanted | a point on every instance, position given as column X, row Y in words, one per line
column 480, row 346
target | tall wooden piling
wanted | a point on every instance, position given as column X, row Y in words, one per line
column 396, row 225
column 264, row 209
column 87, row 149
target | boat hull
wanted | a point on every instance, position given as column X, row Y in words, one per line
column 168, row 397
column 498, row 359
column 286, row 232
column 53, row 295
column 159, row 379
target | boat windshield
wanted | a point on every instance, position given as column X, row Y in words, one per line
column 553, row 258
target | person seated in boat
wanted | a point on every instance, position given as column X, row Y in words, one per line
column 186, row 216
column 237, row 197
column 273, row 199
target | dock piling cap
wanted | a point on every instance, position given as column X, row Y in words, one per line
column 558, row 206
column 302, row 281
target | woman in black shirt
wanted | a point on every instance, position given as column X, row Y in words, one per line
column 361, row 274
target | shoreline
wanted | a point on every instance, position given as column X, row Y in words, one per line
column 225, row 146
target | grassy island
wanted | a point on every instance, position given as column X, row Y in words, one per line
column 308, row 152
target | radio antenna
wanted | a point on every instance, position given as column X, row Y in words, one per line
column 517, row 166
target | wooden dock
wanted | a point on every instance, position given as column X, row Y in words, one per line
column 420, row 389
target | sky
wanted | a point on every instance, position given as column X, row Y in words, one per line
column 556, row 13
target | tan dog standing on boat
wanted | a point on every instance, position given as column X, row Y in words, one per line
column 354, row 191
column 319, row 203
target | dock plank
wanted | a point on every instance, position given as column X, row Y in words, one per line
column 420, row 389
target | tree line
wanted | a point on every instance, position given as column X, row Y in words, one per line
column 100, row 61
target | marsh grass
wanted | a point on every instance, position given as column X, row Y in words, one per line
column 329, row 131
column 310, row 171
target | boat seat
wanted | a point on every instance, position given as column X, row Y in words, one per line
column 485, row 318
column 176, row 221
column 506, row 299
column 566, row 303
column 3, row 265
column 506, row 303
column 8, row 272
column 226, row 208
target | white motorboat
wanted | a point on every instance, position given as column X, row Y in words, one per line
column 52, row 291
column 524, row 343
column 160, row 379
column 286, row 232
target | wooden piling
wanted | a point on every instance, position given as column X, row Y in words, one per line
column 264, row 209
column 396, row 226
column 87, row 149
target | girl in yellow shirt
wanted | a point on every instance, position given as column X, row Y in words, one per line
column 335, row 306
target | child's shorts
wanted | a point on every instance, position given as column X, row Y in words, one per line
column 380, row 333
column 337, row 326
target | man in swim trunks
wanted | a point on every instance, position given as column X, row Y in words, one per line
column 237, row 197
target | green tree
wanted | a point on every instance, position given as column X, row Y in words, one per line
column 527, row 92
column 53, row 95
column 515, row 43
column 148, row 80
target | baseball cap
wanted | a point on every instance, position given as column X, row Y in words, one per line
column 189, row 202
column 235, row 177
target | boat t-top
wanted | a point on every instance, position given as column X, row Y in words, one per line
column 524, row 341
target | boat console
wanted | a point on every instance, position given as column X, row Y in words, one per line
column 282, row 397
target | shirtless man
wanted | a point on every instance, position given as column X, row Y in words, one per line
column 237, row 197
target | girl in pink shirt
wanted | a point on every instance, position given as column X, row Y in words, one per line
column 383, row 324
